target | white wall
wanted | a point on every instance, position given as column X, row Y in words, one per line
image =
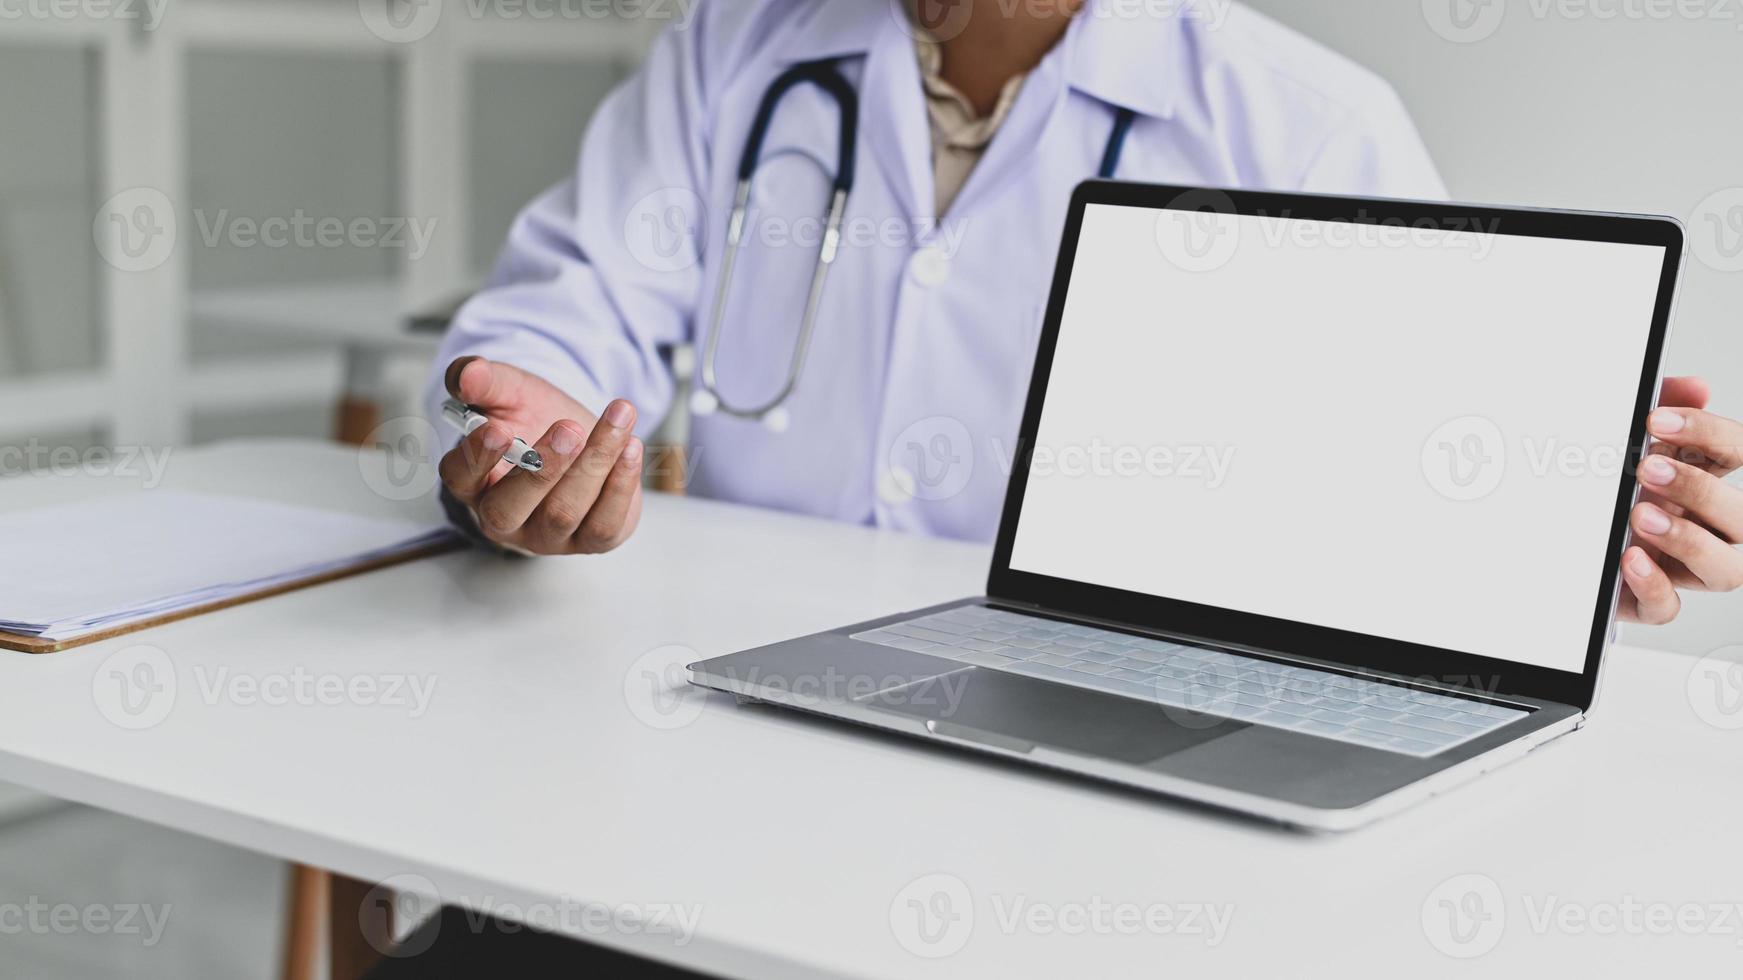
column 1560, row 104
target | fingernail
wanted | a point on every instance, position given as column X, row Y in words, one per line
column 1666, row 422
column 618, row 414
column 1653, row 520
column 564, row 440
column 495, row 439
column 1639, row 564
column 632, row 453
column 1657, row 471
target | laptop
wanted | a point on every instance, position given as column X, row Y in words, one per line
column 1317, row 507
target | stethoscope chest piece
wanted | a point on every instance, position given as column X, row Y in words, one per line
column 704, row 402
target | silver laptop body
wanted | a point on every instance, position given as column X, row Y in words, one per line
column 1115, row 643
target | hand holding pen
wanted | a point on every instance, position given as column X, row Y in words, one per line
column 584, row 496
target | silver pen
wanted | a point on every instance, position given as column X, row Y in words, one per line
column 462, row 417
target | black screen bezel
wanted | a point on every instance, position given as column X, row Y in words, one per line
column 1352, row 649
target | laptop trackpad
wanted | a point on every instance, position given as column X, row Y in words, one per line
column 1016, row 713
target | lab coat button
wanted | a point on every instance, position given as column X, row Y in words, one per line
column 896, row 485
column 930, row 266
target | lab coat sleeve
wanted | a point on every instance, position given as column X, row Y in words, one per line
column 1374, row 150
column 603, row 271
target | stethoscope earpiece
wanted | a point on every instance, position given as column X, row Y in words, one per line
column 703, row 402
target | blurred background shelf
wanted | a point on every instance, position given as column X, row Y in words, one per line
column 240, row 111
column 369, row 321
column 373, row 312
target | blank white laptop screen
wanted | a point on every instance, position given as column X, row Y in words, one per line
column 1417, row 436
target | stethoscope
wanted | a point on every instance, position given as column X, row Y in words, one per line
column 772, row 413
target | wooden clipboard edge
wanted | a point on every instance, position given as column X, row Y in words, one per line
column 38, row 645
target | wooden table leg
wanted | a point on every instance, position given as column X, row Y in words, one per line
column 360, row 405
column 355, row 919
column 305, row 915
column 357, row 418
column 666, row 468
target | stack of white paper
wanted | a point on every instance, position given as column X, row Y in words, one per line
column 84, row 567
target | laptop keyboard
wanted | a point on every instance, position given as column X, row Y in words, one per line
column 1199, row 682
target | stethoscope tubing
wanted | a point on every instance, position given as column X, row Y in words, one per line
column 825, row 76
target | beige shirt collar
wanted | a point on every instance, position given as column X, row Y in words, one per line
column 959, row 136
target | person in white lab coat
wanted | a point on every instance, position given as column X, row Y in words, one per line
column 971, row 132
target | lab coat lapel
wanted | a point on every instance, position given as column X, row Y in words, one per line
column 1017, row 142
column 894, row 125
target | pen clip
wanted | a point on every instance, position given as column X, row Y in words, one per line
column 461, row 416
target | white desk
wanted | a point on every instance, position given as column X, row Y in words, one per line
column 535, row 775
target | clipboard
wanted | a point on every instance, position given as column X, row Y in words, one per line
column 22, row 643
